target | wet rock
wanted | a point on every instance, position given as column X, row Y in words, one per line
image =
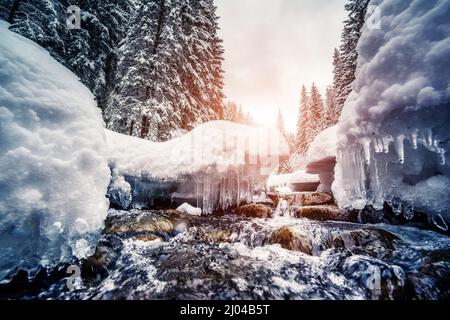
column 214, row 236
column 323, row 213
column 146, row 223
column 172, row 213
column 146, row 237
column 309, row 198
column 291, row 240
column 22, row 284
column 254, row 210
column 430, row 282
column 371, row 241
column 274, row 198
column 370, row 215
column 380, row 280
column 95, row 267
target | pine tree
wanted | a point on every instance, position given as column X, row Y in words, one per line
column 280, row 123
column 303, row 122
column 331, row 115
column 348, row 55
column 231, row 112
column 42, row 21
column 89, row 51
column 317, row 113
column 169, row 76
column 7, row 9
column 334, row 108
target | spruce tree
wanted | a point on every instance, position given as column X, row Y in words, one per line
column 42, row 21
column 230, row 111
column 7, row 9
column 331, row 115
column 303, row 122
column 348, row 55
column 89, row 51
column 280, row 123
column 317, row 113
column 169, row 75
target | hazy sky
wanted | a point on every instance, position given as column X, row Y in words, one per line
column 275, row 46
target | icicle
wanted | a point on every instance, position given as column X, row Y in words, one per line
column 386, row 142
column 414, row 139
column 441, row 153
column 400, row 148
column 377, row 145
column 408, row 210
column 429, row 137
column 435, row 143
column 366, row 147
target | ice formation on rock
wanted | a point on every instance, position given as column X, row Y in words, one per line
column 53, row 167
column 394, row 134
column 214, row 167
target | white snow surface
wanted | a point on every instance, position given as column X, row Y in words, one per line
column 324, row 146
column 393, row 136
column 402, row 67
column 284, row 180
column 218, row 144
column 188, row 209
column 53, row 169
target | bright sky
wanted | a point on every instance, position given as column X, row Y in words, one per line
column 273, row 47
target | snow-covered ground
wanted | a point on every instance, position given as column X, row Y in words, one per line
column 393, row 132
column 53, row 169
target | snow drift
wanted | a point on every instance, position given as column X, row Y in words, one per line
column 53, row 170
column 393, row 132
column 321, row 157
column 215, row 166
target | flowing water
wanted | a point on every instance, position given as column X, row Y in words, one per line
column 153, row 255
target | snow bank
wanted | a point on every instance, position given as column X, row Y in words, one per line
column 53, row 170
column 323, row 147
column 220, row 144
column 321, row 157
column 215, row 166
column 393, row 132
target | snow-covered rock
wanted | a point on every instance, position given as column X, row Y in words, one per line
column 53, row 169
column 321, row 157
column 215, row 166
column 188, row 209
column 285, row 183
column 393, row 132
column 323, row 147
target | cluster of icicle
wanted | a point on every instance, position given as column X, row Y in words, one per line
column 215, row 191
column 366, row 171
column 415, row 137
